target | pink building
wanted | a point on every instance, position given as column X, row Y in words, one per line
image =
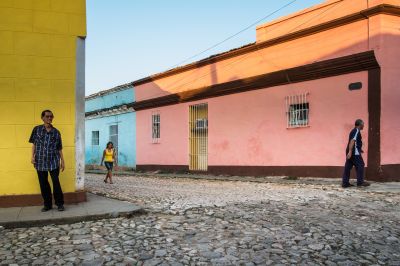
column 285, row 104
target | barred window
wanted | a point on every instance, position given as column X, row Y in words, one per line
column 155, row 127
column 201, row 123
column 95, row 138
column 114, row 135
column 297, row 110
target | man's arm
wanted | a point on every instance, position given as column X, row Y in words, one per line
column 33, row 154
column 59, row 148
column 351, row 145
column 62, row 164
column 32, row 140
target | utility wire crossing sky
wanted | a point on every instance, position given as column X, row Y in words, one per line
column 128, row 40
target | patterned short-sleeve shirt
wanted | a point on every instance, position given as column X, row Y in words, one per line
column 47, row 147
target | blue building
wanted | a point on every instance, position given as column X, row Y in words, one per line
column 109, row 116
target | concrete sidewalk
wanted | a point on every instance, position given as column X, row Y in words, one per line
column 96, row 207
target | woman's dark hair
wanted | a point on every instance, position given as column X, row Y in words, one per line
column 44, row 113
column 108, row 143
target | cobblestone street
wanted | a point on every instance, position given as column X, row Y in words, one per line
column 205, row 222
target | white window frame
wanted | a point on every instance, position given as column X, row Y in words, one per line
column 297, row 110
column 114, row 135
column 93, row 138
column 155, row 127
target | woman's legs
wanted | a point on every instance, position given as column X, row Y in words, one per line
column 110, row 176
column 109, row 166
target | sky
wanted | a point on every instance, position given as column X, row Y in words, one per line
column 131, row 39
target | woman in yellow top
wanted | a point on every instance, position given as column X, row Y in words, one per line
column 109, row 159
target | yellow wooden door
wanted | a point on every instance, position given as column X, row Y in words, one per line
column 198, row 137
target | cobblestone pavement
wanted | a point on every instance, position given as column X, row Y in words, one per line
column 202, row 222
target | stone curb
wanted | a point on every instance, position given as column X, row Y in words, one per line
column 377, row 187
column 269, row 179
column 70, row 220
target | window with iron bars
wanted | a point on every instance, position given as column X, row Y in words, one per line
column 155, row 127
column 201, row 123
column 297, row 110
column 95, row 138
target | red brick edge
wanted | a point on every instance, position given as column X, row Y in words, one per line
column 36, row 199
column 387, row 172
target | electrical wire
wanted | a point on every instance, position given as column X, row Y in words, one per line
column 234, row 35
column 217, row 44
column 234, row 62
column 257, row 50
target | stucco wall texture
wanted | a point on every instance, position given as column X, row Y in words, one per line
column 37, row 72
column 257, row 119
column 126, row 128
column 126, row 138
column 110, row 100
column 239, row 135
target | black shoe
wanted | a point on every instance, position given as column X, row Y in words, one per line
column 45, row 209
column 364, row 184
column 347, row 185
column 61, row 208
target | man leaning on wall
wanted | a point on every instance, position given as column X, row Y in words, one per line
column 47, row 156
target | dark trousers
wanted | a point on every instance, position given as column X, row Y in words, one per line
column 46, row 190
column 358, row 162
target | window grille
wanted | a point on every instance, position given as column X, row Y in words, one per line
column 297, row 110
column 155, row 127
column 95, row 138
column 198, row 137
column 201, row 123
column 114, row 135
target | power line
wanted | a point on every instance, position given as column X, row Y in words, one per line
column 240, row 59
column 255, row 23
column 243, row 57
column 318, row 15
column 234, row 35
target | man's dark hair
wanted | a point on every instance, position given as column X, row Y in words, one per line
column 358, row 122
column 45, row 111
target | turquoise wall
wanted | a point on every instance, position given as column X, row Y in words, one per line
column 110, row 100
column 126, row 129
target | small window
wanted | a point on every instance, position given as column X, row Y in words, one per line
column 114, row 135
column 201, row 123
column 355, row 86
column 95, row 138
column 297, row 111
column 155, row 127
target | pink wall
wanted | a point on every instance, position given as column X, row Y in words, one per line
column 349, row 39
column 385, row 40
column 313, row 16
column 258, row 136
column 173, row 146
column 327, row 11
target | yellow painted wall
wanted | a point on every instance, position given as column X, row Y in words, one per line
column 37, row 72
